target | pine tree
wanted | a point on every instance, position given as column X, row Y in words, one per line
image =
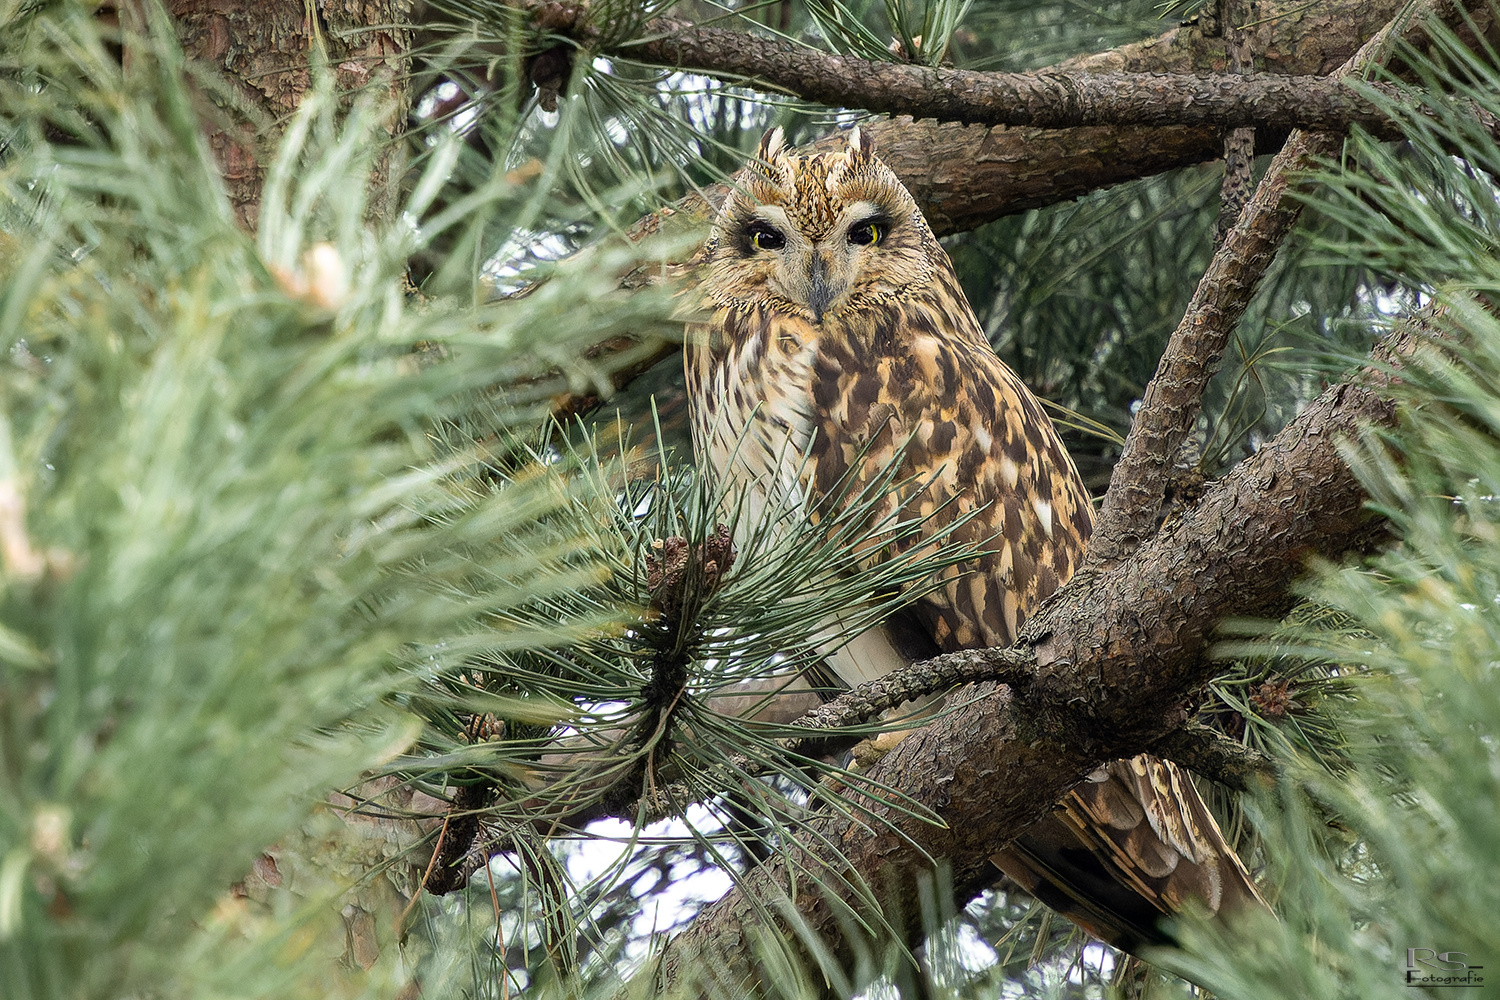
column 348, row 647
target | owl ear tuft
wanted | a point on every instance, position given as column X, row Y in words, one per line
column 861, row 145
column 772, row 144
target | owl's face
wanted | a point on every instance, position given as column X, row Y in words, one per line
column 817, row 236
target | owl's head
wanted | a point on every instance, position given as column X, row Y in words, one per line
column 817, row 235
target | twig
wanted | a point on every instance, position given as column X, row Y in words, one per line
column 426, row 875
column 499, row 935
column 856, row 706
column 1012, row 665
column 1239, row 144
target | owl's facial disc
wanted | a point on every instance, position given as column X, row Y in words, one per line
column 815, row 274
column 820, row 237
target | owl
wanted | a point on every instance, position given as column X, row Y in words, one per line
column 838, row 344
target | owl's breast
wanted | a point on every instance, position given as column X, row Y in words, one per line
column 750, row 392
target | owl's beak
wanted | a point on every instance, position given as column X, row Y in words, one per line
column 820, row 294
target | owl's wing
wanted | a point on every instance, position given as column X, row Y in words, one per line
column 921, row 387
column 1136, row 840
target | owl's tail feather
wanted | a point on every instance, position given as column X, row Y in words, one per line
column 1131, row 845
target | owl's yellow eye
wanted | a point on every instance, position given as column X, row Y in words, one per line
column 869, row 233
column 761, row 236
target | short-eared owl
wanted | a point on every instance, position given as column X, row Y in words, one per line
column 838, row 331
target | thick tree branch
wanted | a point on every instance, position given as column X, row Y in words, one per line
column 1046, row 99
column 1172, row 401
column 253, row 63
column 1291, row 37
column 964, row 176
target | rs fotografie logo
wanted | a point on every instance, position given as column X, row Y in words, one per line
column 1428, row 968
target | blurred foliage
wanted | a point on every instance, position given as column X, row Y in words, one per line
column 906, row 32
column 1384, row 844
column 1387, row 847
column 231, row 539
column 1012, row 36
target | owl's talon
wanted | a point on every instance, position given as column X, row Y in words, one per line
column 867, row 753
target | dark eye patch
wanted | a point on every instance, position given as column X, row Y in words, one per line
column 760, row 235
column 870, row 232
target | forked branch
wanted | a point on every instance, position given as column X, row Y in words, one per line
column 1133, row 506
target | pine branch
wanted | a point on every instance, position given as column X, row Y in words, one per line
column 1046, row 99
column 1138, row 485
column 1118, row 656
column 467, row 846
column 1053, row 98
column 1012, row 665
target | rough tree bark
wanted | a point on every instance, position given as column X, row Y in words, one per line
column 1049, row 99
column 256, row 61
column 1140, row 478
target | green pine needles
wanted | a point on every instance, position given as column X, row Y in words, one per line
column 228, row 523
column 1388, row 844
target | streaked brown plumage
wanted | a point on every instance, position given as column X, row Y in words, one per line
column 838, row 330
